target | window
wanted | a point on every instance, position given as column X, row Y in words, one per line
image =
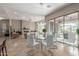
column 65, row 29
column 40, row 27
column 59, row 28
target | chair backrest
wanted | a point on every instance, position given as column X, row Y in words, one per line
column 49, row 40
column 30, row 40
column 34, row 38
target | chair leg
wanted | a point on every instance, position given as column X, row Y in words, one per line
column 6, row 50
column 3, row 51
column 0, row 53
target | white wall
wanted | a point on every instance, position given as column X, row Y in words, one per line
column 27, row 24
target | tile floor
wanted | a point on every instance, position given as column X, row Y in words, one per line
column 19, row 47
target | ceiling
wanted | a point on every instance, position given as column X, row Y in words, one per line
column 29, row 10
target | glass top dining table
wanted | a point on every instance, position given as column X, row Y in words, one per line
column 40, row 39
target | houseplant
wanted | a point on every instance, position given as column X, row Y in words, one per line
column 44, row 31
column 77, row 31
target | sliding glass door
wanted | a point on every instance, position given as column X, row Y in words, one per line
column 65, row 29
column 59, row 29
column 70, row 26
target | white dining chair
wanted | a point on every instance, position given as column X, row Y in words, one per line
column 31, row 44
column 49, row 44
column 31, row 41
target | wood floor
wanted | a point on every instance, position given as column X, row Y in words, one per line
column 19, row 47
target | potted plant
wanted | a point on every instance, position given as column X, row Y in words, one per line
column 44, row 31
column 77, row 31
